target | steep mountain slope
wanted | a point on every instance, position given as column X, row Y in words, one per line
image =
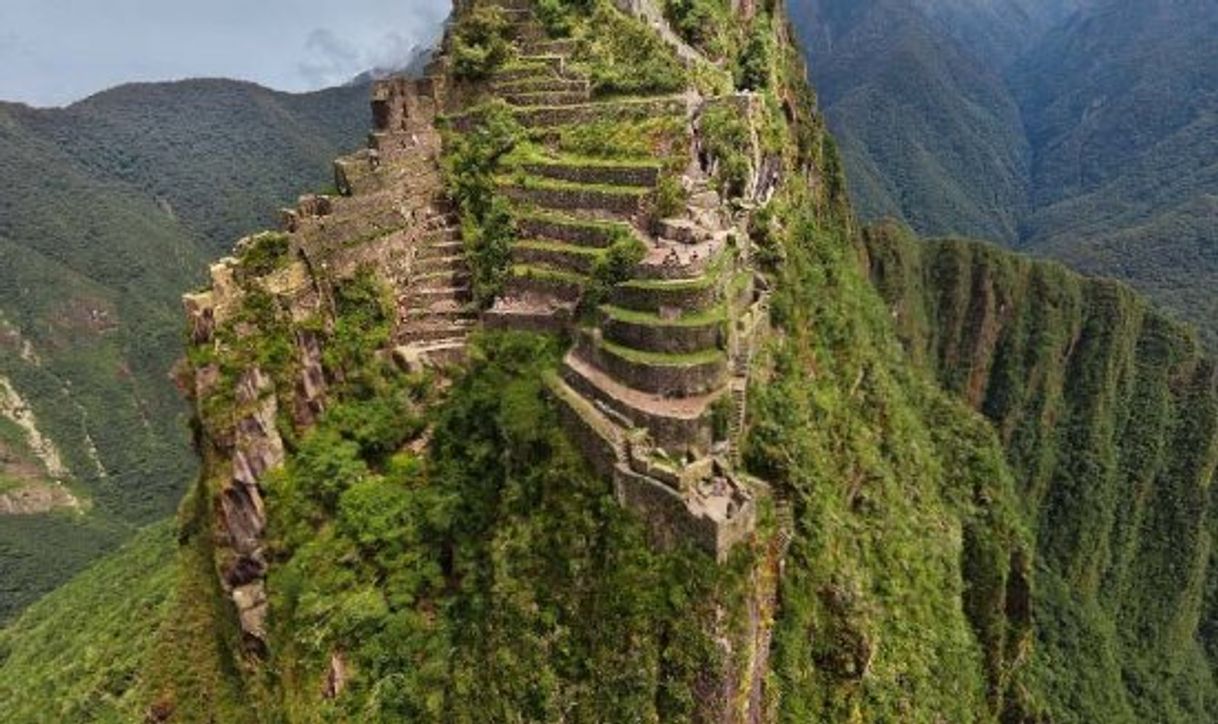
column 1108, row 411
column 81, row 653
column 1121, row 106
column 927, row 133
column 1105, row 163
column 112, row 207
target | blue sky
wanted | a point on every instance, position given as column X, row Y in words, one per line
column 53, row 52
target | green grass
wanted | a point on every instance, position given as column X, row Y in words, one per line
column 534, row 154
column 574, row 249
column 702, row 282
column 81, row 653
column 658, row 359
column 701, row 318
column 616, row 227
column 9, row 484
column 540, row 272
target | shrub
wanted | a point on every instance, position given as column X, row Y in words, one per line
column 725, row 133
column 264, row 254
column 480, row 44
column 624, row 56
column 753, row 68
column 670, row 197
column 470, row 166
column 702, row 23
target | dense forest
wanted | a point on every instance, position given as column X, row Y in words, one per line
column 1078, row 131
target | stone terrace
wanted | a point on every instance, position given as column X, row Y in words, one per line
column 653, row 388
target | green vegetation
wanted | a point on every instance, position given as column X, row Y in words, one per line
column 689, row 319
column 1019, row 123
column 622, row 55
column 906, row 525
column 996, row 473
column 471, row 161
column 480, row 44
column 82, row 653
column 266, row 253
column 705, row 24
column 1107, row 411
column 726, row 137
column 493, row 573
column 660, row 359
column 648, row 138
column 115, row 206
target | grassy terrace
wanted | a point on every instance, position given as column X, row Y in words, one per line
column 659, row 359
column 701, row 318
column 547, row 273
column 663, row 285
column 611, row 227
column 590, row 252
column 527, row 181
column 527, row 153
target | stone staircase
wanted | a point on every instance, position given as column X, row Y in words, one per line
column 435, row 316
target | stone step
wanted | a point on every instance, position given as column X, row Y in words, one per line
column 621, row 201
column 450, row 310
column 426, row 298
column 685, row 296
column 659, row 374
column 602, row 442
column 653, row 333
column 566, row 257
column 529, row 99
column 555, row 63
column 684, row 231
column 569, row 230
column 441, row 279
column 528, row 317
column 638, row 175
column 522, row 74
column 443, row 353
column 442, row 249
column 561, row 46
column 436, row 329
column 430, row 264
column 679, row 426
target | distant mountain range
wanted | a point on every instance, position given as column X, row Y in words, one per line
column 1086, row 131
column 111, row 210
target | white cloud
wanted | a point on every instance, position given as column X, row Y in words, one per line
column 330, row 60
column 57, row 51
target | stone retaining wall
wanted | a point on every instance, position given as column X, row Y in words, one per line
column 677, row 380
column 576, row 199
column 676, row 435
column 689, row 298
column 593, row 236
column 666, row 338
column 593, row 174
